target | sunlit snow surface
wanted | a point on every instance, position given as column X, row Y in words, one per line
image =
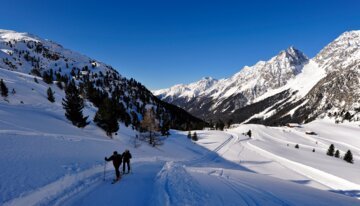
column 47, row 161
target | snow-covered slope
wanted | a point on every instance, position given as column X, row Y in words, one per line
column 289, row 87
column 47, row 161
column 29, row 54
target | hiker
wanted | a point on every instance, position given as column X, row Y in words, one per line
column 126, row 158
column 116, row 159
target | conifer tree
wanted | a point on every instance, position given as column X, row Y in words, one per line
column 195, row 137
column 73, row 105
column 106, row 118
column 249, row 133
column 50, row 95
column 297, row 146
column 3, row 88
column 189, row 135
column 47, row 77
column 331, row 150
column 349, row 157
column 337, row 154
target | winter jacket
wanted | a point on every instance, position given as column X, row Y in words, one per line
column 116, row 159
column 126, row 156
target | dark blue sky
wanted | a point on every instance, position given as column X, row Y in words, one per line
column 161, row 43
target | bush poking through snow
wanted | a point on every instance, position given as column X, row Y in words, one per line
column 297, row 146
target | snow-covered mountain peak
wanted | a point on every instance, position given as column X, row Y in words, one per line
column 341, row 53
column 294, row 55
column 9, row 35
column 186, row 90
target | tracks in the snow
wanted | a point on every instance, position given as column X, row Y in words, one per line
column 210, row 155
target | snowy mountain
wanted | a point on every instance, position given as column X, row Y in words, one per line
column 29, row 54
column 226, row 95
column 287, row 88
column 45, row 160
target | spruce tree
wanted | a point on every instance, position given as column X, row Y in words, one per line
column 194, row 137
column 297, row 146
column 3, row 88
column 249, row 133
column 50, row 95
column 47, row 77
column 331, row 150
column 337, row 154
column 106, row 118
column 73, row 105
column 349, row 157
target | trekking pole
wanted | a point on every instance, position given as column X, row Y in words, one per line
column 104, row 170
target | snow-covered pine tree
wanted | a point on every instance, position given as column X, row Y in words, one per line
column 106, row 118
column 331, row 150
column 3, row 88
column 349, row 157
column 337, row 153
column 50, row 95
column 73, row 105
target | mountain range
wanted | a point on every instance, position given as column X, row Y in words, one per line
column 290, row 87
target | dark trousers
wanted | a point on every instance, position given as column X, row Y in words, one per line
column 128, row 166
column 117, row 171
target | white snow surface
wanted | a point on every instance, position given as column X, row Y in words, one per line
column 47, row 161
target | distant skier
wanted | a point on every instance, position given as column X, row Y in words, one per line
column 116, row 159
column 126, row 159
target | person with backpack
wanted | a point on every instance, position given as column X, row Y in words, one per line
column 126, row 159
column 116, row 159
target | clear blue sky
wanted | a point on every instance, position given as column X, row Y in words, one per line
column 162, row 43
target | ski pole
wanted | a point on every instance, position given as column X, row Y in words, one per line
column 104, row 170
